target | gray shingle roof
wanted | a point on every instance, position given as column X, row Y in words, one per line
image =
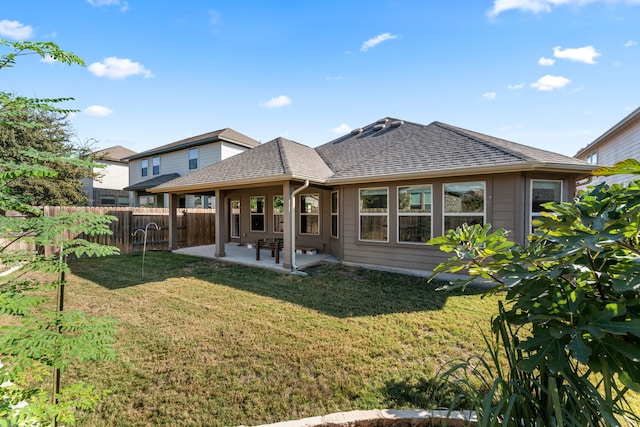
column 276, row 160
column 386, row 149
column 150, row 183
column 225, row 134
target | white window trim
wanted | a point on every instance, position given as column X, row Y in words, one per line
column 231, row 215
column 142, row 167
column 464, row 214
column 309, row 214
column 336, row 214
column 531, row 213
column 153, row 165
column 264, row 218
column 399, row 214
column 189, row 158
column 360, row 215
column 273, row 210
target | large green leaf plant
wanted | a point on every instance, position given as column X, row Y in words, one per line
column 565, row 349
column 38, row 339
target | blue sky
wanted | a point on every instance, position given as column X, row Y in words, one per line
column 553, row 74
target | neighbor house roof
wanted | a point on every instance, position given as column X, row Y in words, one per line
column 388, row 149
column 633, row 117
column 152, row 182
column 117, row 153
column 226, row 134
column 276, row 160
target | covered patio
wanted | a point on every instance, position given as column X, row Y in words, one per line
column 242, row 254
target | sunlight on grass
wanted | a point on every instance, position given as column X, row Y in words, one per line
column 202, row 342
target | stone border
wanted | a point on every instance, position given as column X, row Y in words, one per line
column 385, row 418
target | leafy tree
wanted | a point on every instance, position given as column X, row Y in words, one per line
column 566, row 340
column 37, row 335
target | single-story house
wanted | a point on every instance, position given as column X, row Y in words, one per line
column 375, row 196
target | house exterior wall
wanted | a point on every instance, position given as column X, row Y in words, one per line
column 115, row 176
column 620, row 146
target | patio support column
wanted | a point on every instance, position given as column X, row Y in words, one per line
column 288, row 234
column 220, row 224
column 173, row 221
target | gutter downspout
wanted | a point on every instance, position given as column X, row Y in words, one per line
column 292, row 214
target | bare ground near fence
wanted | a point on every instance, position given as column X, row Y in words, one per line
column 195, row 227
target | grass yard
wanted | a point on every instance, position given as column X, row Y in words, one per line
column 202, row 342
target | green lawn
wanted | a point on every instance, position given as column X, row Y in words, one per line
column 202, row 342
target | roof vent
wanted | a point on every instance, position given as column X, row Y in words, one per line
column 382, row 121
column 379, row 126
column 396, row 123
column 356, row 131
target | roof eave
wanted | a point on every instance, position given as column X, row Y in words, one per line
column 483, row 170
column 634, row 115
column 195, row 188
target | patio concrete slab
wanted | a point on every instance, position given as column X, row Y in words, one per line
column 241, row 254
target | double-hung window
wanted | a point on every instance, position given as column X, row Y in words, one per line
column 374, row 214
column 156, row 165
column 310, row 214
column 257, row 213
column 334, row 214
column 464, row 202
column 414, row 214
column 193, row 159
column 278, row 214
column 144, row 167
column 543, row 191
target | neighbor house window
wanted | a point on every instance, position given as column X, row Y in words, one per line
column 156, row 165
column 235, row 218
column 414, row 214
column 193, row 159
column 593, row 158
column 257, row 213
column 278, row 214
column 463, row 204
column 374, row 214
column 144, row 167
column 123, row 201
column 334, row 214
column 310, row 214
column 107, row 200
column 197, row 202
column 543, row 191
column 147, row 201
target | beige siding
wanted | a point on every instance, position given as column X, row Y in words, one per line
column 227, row 150
column 115, row 176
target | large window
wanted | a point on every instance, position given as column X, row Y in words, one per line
column 374, row 213
column 593, row 158
column 148, row 201
column 543, row 191
column 156, row 165
column 235, row 218
column 310, row 214
column 278, row 214
column 257, row 213
column 464, row 202
column 414, row 214
column 144, row 167
column 334, row 214
column 108, row 200
column 193, row 159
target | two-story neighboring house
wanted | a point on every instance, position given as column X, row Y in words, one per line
column 108, row 188
column 162, row 164
column 619, row 143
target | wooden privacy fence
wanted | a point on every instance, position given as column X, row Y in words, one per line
column 195, row 227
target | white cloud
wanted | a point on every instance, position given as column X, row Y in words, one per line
column 538, row 6
column 341, row 130
column 549, row 83
column 124, row 6
column 516, row 86
column 15, row 30
column 277, row 102
column 586, row 54
column 372, row 42
column 48, row 59
column 546, row 62
column 630, row 43
column 489, row 95
column 97, row 111
column 118, row 68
